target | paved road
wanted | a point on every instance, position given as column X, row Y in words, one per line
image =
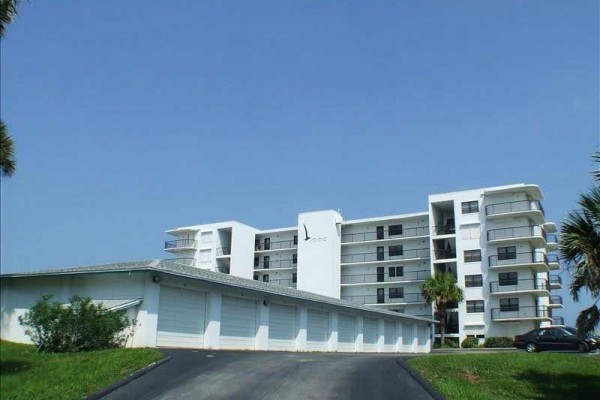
column 269, row 375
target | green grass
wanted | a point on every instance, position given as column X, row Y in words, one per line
column 27, row 375
column 511, row 375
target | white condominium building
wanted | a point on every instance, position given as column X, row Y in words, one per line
column 495, row 240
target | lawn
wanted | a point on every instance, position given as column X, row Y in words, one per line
column 511, row 375
column 27, row 375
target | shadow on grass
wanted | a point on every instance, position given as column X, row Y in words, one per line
column 563, row 386
column 11, row 367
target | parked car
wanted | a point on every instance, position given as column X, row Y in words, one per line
column 591, row 335
column 553, row 339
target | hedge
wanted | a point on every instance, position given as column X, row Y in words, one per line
column 498, row 341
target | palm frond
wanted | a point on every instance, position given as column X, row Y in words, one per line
column 7, row 157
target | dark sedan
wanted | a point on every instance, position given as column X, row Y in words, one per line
column 553, row 339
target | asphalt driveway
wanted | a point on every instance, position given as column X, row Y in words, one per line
column 274, row 375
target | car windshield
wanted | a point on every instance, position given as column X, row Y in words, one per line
column 570, row 330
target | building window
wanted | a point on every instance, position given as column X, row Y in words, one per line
column 507, row 279
column 294, row 277
column 474, row 306
column 472, row 255
column 507, row 253
column 473, row 280
column 396, row 272
column 469, row 207
column 380, row 295
column 267, row 243
column 511, row 304
column 295, row 239
column 255, row 277
column 266, row 260
column 395, row 230
column 294, row 258
column 396, row 250
column 255, row 262
column 396, row 293
column 266, row 278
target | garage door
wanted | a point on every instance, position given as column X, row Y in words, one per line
column 317, row 334
column 238, row 323
column 180, row 318
column 346, row 332
column 389, row 330
column 407, row 337
column 369, row 334
column 282, row 327
column 423, row 336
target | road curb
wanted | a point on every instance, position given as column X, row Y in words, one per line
column 420, row 380
column 140, row 372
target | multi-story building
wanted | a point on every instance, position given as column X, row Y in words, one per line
column 495, row 240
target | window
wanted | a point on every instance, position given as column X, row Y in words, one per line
column 397, row 250
column 474, row 306
column 255, row 277
column 469, row 207
column 380, row 296
column 507, row 279
column 295, row 239
column 395, row 230
column 511, row 304
column 472, row 255
column 255, row 262
column 294, row 277
column 380, row 253
column 396, row 272
column 294, row 258
column 257, row 244
column 396, row 293
column 267, row 243
column 473, row 280
column 266, row 278
column 266, row 260
column 379, row 232
column 507, row 253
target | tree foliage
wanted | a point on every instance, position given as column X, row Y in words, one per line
column 8, row 12
column 7, row 156
column 441, row 290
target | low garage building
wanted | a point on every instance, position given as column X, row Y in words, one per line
column 179, row 306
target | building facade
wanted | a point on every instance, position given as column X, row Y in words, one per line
column 496, row 241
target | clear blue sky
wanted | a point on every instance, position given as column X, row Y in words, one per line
column 131, row 117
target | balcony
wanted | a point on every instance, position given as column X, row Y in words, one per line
column 374, row 300
column 523, row 208
column 444, row 254
column 190, row 262
column 280, row 245
column 384, row 277
column 283, row 282
column 180, row 244
column 441, row 230
column 514, row 286
column 553, row 262
column 558, row 321
column 276, row 264
column 223, row 251
column 556, row 301
column 407, row 233
column 555, row 282
column 521, row 313
column 384, row 256
column 533, row 234
column 535, row 260
column 551, row 241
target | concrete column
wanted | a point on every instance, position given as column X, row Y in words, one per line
column 380, row 335
column 212, row 334
column 146, row 330
column 415, row 338
column 359, row 334
column 302, row 325
column 262, row 323
column 399, row 337
column 333, row 331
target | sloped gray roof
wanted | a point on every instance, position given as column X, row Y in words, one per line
column 170, row 267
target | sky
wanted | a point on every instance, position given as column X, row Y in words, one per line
column 133, row 117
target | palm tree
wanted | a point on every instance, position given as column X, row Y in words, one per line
column 580, row 250
column 441, row 289
column 8, row 12
column 7, row 160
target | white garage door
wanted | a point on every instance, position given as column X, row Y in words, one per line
column 317, row 334
column 238, row 323
column 369, row 334
column 389, row 330
column 180, row 318
column 282, row 327
column 346, row 332
column 423, row 336
column 407, row 337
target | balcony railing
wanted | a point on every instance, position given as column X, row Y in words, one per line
column 527, row 257
column 223, row 251
column 558, row 321
column 448, row 229
column 280, row 245
column 551, row 238
column 283, row 282
column 374, row 235
column 442, row 254
column 276, row 264
column 384, row 256
column 190, row 262
column 555, row 280
column 520, row 312
column 556, row 299
column 514, row 206
column 407, row 298
column 553, row 258
column 513, row 233
column 385, row 277
column 518, row 285
column 179, row 243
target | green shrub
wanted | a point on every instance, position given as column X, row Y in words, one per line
column 498, row 341
column 448, row 344
column 470, row 343
column 81, row 325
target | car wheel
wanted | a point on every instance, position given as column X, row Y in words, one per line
column 531, row 347
column 582, row 348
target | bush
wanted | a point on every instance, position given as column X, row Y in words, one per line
column 498, row 341
column 470, row 343
column 448, row 343
column 54, row 327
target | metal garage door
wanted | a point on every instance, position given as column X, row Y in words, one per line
column 180, row 318
column 389, row 330
column 238, row 323
column 282, row 327
column 317, row 335
column 423, row 336
column 346, row 332
column 369, row 334
column 407, row 337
